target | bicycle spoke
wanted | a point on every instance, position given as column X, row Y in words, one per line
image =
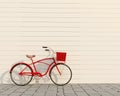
column 21, row 79
column 60, row 74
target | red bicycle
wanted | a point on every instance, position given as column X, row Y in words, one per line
column 60, row 74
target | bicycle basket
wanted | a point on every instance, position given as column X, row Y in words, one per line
column 61, row 56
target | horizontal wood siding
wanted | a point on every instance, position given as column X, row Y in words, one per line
column 88, row 30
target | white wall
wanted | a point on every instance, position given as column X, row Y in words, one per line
column 88, row 30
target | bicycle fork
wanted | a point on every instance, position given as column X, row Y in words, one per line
column 58, row 70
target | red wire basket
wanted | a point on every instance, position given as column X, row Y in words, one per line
column 61, row 56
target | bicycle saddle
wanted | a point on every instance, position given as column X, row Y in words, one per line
column 30, row 56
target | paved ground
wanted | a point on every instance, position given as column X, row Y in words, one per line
column 68, row 90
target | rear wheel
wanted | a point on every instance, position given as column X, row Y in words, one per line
column 60, row 74
column 21, row 79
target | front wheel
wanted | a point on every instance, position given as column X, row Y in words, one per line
column 60, row 74
column 21, row 74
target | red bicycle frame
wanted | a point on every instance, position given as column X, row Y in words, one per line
column 35, row 72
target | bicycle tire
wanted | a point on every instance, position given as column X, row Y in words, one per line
column 19, row 80
column 67, row 73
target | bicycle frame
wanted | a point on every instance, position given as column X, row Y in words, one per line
column 53, row 65
column 35, row 72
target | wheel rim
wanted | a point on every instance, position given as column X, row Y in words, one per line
column 21, row 79
column 63, row 77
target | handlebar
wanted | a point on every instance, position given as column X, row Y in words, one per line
column 50, row 50
column 44, row 47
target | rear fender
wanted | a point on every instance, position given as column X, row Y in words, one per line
column 18, row 64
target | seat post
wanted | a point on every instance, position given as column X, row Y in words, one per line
column 33, row 64
column 31, row 60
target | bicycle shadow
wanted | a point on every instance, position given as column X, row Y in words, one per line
column 5, row 78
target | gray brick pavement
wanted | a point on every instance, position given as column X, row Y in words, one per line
column 53, row 90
